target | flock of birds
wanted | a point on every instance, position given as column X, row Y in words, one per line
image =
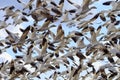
column 44, row 49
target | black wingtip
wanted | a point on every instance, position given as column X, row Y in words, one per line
column 18, row 1
column 14, row 50
column 28, row 28
column 7, row 31
column 25, row 19
column 12, row 7
column 107, row 3
column 118, row 55
column 61, row 1
column 111, row 59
